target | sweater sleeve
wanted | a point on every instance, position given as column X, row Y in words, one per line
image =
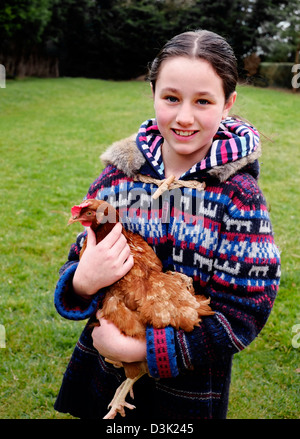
column 242, row 287
column 68, row 304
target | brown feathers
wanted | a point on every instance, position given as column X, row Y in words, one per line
column 145, row 295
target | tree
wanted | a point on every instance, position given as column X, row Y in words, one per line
column 117, row 38
column 71, row 35
column 279, row 39
column 129, row 34
column 22, row 24
column 24, row 20
column 33, row 34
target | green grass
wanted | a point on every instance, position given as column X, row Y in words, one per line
column 52, row 133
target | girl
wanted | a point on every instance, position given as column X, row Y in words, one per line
column 222, row 237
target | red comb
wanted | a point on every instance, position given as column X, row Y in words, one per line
column 77, row 208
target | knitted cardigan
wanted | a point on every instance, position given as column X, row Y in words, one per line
column 221, row 237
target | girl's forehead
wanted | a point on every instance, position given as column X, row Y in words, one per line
column 189, row 73
column 187, row 64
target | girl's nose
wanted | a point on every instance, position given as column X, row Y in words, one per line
column 185, row 116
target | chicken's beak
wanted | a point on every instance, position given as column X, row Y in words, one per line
column 72, row 220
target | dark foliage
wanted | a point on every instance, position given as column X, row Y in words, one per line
column 115, row 39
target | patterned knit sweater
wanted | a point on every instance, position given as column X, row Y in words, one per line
column 221, row 237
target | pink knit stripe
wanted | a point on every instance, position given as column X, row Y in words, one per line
column 234, row 149
column 224, row 151
column 162, row 357
column 153, row 146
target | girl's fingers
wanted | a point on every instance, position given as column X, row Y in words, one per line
column 112, row 254
column 128, row 264
column 124, row 252
column 91, row 237
column 117, row 244
column 110, row 240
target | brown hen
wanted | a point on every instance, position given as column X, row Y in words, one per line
column 144, row 296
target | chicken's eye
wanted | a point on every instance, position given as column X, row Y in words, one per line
column 88, row 213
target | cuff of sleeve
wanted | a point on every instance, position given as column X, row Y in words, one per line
column 161, row 354
column 67, row 303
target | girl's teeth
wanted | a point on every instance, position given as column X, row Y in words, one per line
column 184, row 133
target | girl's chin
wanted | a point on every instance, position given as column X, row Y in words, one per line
column 186, row 154
column 190, row 147
column 186, row 149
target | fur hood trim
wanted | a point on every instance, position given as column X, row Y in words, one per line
column 125, row 155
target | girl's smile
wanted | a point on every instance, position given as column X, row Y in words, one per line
column 189, row 104
column 186, row 134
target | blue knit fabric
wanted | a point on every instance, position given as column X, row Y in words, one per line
column 75, row 308
column 225, row 243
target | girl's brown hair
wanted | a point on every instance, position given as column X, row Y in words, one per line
column 205, row 45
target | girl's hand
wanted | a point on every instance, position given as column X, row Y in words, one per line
column 102, row 264
column 112, row 344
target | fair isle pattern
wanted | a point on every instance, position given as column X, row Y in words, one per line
column 196, row 234
column 234, row 261
column 234, row 140
column 223, row 239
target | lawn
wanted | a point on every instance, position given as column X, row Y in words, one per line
column 52, row 133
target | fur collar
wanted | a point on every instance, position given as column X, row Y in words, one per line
column 125, row 155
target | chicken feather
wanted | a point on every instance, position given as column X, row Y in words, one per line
column 144, row 296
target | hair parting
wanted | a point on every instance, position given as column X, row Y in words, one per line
column 205, row 45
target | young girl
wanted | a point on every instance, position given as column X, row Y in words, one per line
column 220, row 236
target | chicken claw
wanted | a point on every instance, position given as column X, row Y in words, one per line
column 118, row 402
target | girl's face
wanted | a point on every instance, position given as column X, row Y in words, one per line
column 189, row 103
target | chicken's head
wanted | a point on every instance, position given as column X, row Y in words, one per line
column 93, row 212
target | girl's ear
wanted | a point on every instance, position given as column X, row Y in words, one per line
column 229, row 104
column 152, row 89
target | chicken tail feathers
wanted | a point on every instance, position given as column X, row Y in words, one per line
column 205, row 309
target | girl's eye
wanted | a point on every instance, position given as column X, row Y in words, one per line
column 171, row 99
column 203, row 101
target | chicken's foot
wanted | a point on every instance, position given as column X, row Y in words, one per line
column 118, row 402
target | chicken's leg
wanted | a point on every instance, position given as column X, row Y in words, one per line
column 118, row 402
